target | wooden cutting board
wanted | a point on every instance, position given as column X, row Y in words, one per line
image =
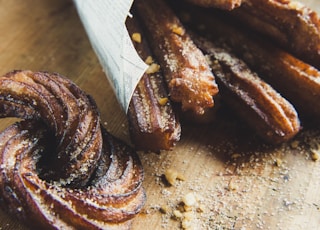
column 239, row 183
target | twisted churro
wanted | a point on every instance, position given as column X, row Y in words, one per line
column 59, row 168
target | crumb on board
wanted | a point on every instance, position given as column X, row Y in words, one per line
column 226, row 200
column 315, row 155
column 278, row 162
column 172, row 175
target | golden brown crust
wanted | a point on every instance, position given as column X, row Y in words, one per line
column 282, row 70
column 271, row 116
column 296, row 80
column 290, row 23
column 188, row 76
column 152, row 122
column 62, row 170
column 72, row 116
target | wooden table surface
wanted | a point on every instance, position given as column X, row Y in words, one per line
column 240, row 183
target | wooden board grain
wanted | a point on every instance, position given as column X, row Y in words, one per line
column 240, row 183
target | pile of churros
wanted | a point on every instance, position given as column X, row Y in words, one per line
column 260, row 58
column 60, row 169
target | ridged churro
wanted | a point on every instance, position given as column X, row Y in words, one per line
column 60, row 169
column 270, row 115
column 189, row 78
column 153, row 123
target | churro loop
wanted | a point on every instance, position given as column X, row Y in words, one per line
column 59, row 167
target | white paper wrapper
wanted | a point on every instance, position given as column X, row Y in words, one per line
column 104, row 22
